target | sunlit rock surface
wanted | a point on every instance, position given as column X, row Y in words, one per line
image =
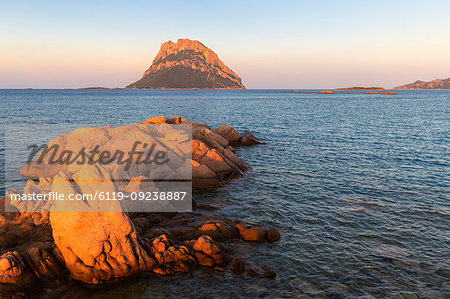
column 187, row 64
column 52, row 247
column 435, row 84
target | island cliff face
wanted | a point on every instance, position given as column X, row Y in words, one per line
column 187, row 64
column 435, row 84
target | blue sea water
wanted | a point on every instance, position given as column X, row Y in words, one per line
column 357, row 184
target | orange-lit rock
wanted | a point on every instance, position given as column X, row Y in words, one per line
column 209, row 148
column 381, row 92
column 93, row 246
column 171, row 258
column 218, row 230
column 261, row 271
column 206, row 245
column 256, row 234
column 155, row 120
column 228, row 133
column 359, row 88
column 204, row 259
column 326, row 92
column 207, row 136
column 217, row 164
column 96, row 246
column 434, row 84
column 203, row 177
column 13, row 269
column 109, row 249
column 199, row 150
column 187, row 64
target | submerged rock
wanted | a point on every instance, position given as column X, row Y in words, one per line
column 272, row 234
column 237, row 265
column 261, row 271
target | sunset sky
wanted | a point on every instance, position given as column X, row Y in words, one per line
column 269, row 44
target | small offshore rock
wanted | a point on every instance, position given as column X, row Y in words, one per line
column 272, row 234
column 261, row 271
column 237, row 265
column 248, row 140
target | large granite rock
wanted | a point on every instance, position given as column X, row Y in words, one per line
column 96, row 246
column 213, row 160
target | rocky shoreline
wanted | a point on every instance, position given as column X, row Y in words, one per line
column 187, row 64
column 46, row 249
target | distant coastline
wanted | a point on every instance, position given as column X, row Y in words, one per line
column 308, row 90
column 97, row 88
column 440, row 84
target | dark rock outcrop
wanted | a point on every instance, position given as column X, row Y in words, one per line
column 187, row 64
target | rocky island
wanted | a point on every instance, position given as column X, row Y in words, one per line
column 435, row 84
column 360, row 88
column 98, row 88
column 46, row 249
column 187, row 64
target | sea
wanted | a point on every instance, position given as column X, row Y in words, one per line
column 357, row 184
